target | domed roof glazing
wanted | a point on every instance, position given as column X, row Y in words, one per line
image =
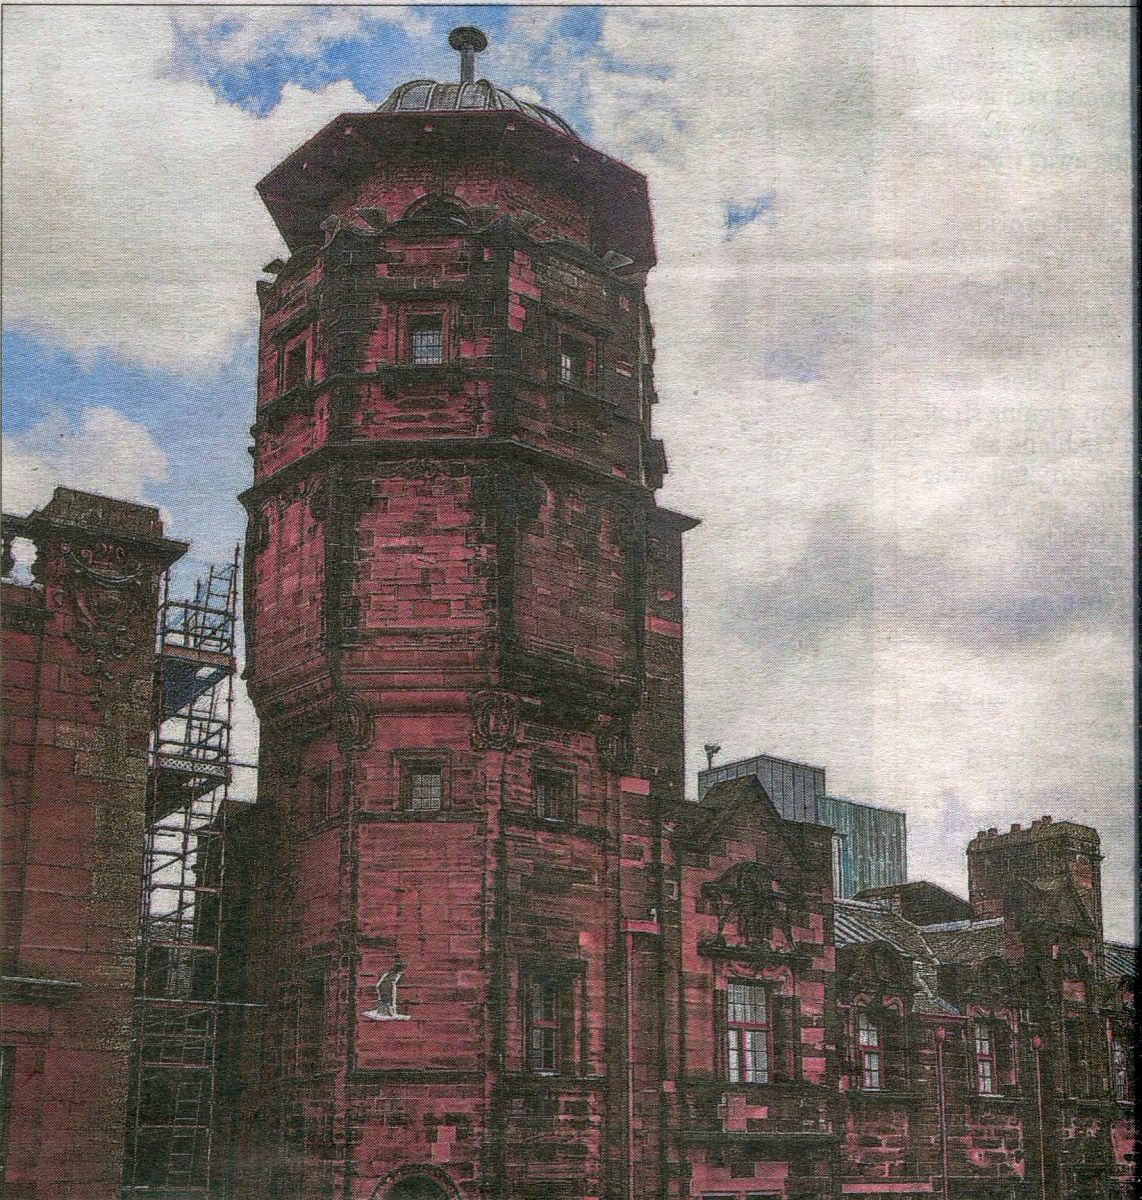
column 470, row 94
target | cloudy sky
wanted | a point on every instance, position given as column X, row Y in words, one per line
column 893, row 325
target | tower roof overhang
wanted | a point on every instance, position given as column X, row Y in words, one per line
column 302, row 189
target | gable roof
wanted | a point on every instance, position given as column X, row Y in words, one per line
column 698, row 824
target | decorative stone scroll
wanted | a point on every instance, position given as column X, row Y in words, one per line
column 353, row 724
column 108, row 591
column 496, row 715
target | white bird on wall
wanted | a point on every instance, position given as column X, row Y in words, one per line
column 386, row 1009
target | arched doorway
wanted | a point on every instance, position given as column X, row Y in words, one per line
column 417, row 1187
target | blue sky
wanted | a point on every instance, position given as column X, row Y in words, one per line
column 893, row 345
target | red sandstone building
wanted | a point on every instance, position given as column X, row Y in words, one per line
column 78, row 655
column 475, row 941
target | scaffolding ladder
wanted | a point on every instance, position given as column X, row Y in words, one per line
column 170, row 1133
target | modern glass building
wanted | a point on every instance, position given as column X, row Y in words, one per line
column 871, row 845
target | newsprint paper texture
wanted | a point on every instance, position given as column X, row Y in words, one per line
column 568, row 603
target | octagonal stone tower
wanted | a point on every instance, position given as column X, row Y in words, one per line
column 463, row 611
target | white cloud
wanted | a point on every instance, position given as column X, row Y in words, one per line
column 241, row 36
column 928, row 333
column 102, row 451
column 131, row 222
column 926, row 341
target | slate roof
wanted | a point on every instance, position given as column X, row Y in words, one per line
column 965, row 941
column 1121, row 960
column 856, row 921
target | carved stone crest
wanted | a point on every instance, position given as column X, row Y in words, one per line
column 353, row 724
column 496, row 715
column 616, row 747
column 107, row 590
column 746, row 896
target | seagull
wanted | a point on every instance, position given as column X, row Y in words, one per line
column 386, row 1009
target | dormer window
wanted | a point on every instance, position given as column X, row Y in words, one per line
column 747, row 1033
column 426, row 340
column 870, row 1047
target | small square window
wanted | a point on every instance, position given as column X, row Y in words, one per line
column 554, row 795
column 426, row 341
column 572, row 362
column 296, row 367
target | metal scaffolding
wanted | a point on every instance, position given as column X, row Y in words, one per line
column 170, row 1135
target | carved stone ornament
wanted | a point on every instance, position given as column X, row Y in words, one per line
column 258, row 532
column 616, row 747
column 353, row 723
column 108, row 592
column 496, row 715
column 745, row 894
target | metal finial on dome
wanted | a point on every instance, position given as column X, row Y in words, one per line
column 469, row 41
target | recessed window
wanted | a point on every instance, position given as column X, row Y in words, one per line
column 1122, row 1069
column 426, row 789
column 320, row 787
column 747, row 1033
column 869, row 1044
column 984, row 1059
column 311, row 1020
column 544, row 1031
column 426, row 341
column 296, row 369
column 572, row 361
column 554, row 795
column 1078, row 1055
column 424, row 781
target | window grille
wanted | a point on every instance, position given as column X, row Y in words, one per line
column 544, row 1032
column 572, row 362
column 554, row 795
column 426, row 789
column 426, row 337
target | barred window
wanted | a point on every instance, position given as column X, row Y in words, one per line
column 426, row 339
column 869, row 1044
column 554, row 795
column 747, row 1033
